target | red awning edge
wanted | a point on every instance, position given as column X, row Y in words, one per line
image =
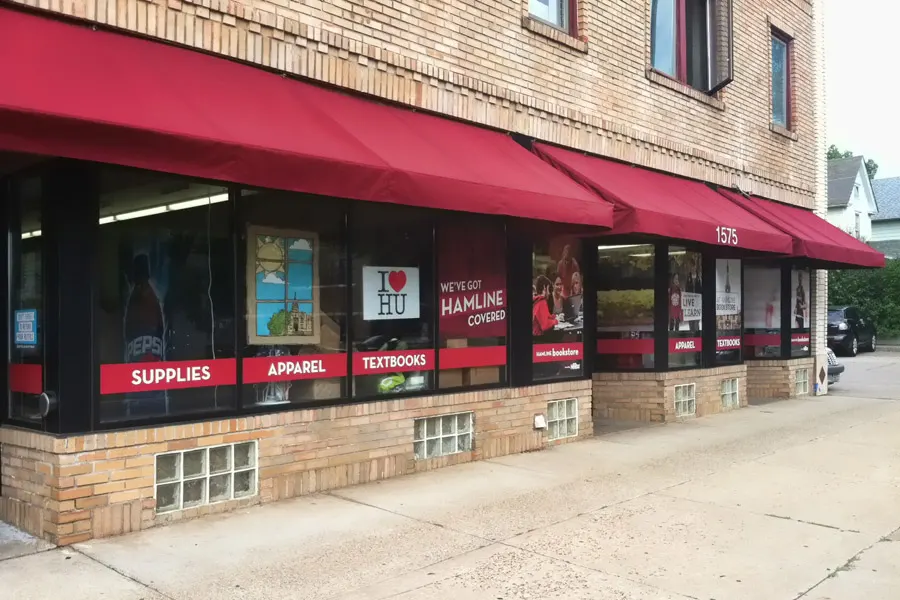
column 108, row 97
column 813, row 237
column 652, row 203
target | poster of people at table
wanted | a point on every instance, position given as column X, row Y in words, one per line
column 557, row 316
column 800, row 299
column 685, row 292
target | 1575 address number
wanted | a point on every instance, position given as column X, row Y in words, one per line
column 727, row 236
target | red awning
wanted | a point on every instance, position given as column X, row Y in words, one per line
column 70, row 91
column 652, row 203
column 814, row 237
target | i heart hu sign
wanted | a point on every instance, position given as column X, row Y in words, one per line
column 390, row 293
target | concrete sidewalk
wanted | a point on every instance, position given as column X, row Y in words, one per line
column 788, row 500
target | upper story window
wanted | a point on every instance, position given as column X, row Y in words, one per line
column 552, row 12
column 781, row 80
column 691, row 41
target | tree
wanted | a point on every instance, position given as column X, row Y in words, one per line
column 277, row 324
column 834, row 152
column 875, row 291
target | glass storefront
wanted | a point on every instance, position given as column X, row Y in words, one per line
column 625, row 307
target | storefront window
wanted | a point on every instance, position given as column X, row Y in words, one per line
column 685, row 296
column 165, row 318
column 800, row 332
column 295, row 277
column 762, row 312
column 557, row 323
column 728, row 310
column 625, row 304
column 393, row 309
column 471, row 271
column 26, row 368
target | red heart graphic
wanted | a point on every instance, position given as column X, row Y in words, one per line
column 397, row 279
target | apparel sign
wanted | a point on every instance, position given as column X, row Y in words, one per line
column 265, row 369
column 171, row 375
column 390, row 293
column 472, row 281
column 681, row 345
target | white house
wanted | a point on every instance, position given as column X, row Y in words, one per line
column 886, row 222
column 851, row 201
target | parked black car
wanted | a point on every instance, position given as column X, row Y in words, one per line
column 850, row 331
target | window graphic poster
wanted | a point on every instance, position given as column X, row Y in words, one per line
column 728, row 294
column 390, row 293
column 800, row 299
column 685, row 292
column 282, row 287
column 762, row 299
column 472, row 284
column 557, row 314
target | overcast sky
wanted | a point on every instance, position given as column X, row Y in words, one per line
column 862, row 38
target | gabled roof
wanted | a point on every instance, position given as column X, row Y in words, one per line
column 842, row 174
column 887, row 194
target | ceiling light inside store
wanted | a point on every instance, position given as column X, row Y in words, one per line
column 148, row 212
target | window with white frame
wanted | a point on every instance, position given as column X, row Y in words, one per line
column 801, row 383
column 562, row 418
column 552, row 12
column 686, row 400
column 442, row 435
column 730, row 398
column 201, row 476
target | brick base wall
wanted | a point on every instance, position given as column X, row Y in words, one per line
column 651, row 396
column 68, row 490
column 777, row 378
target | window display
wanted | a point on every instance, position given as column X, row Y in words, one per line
column 685, row 296
column 800, row 331
column 26, row 297
column 625, row 305
column 472, row 301
column 165, row 318
column 296, row 299
column 762, row 313
column 393, row 310
column 728, row 310
column 557, row 323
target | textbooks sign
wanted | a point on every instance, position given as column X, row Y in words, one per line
column 390, row 293
column 472, row 286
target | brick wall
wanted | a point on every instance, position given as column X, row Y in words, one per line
column 490, row 64
column 651, row 396
column 775, row 379
column 68, row 490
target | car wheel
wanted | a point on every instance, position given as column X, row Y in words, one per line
column 854, row 346
column 873, row 345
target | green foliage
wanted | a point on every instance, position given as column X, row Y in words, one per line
column 875, row 291
column 835, row 152
column 624, row 307
column 278, row 322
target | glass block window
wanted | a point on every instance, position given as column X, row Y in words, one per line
column 686, row 400
column 730, row 398
column 205, row 476
column 442, row 435
column 801, row 383
column 562, row 418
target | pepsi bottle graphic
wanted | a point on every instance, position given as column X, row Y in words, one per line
column 144, row 336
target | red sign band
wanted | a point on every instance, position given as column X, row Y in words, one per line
column 546, row 353
column 625, row 346
column 684, row 345
column 800, row 339
column 466, row 358
column 27, row 379
column 762, row 339
column 728, row 343
column 167, row 375
column 263, row 369
column 403, row 361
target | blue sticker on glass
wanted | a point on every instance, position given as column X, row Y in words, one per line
column 26, row 328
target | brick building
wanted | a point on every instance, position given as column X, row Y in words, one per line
column 264, row 249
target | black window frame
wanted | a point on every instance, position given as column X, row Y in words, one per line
column 786, row 267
